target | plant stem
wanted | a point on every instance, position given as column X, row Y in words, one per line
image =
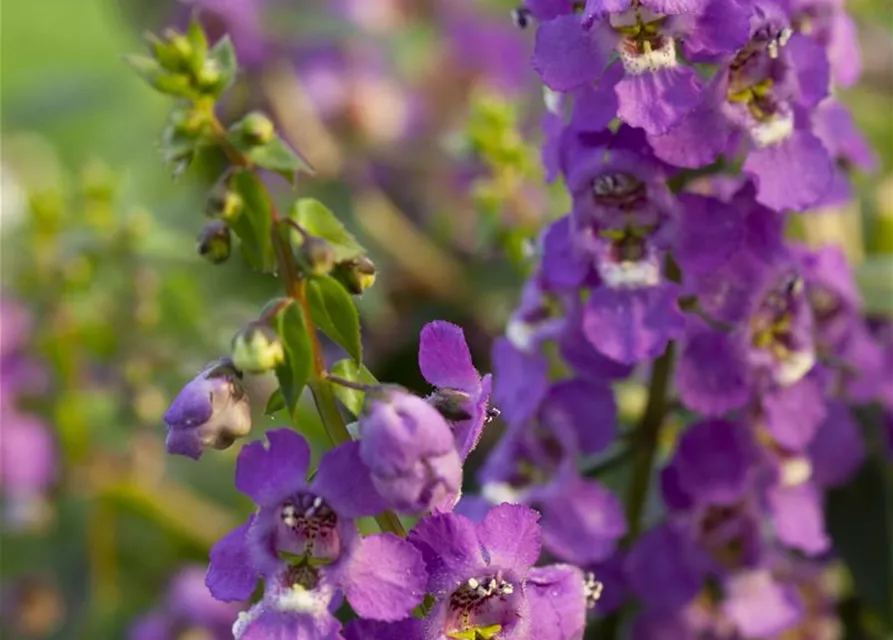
column 645, row 443
column 295, row 288
column 649, row 431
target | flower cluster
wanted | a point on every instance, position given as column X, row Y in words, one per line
column 686, row 134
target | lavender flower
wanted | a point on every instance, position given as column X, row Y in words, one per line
column 410, row 451
column 303, row 541
column 462, row 395
column 483, row 584
column 212, row 410
column 188, row 609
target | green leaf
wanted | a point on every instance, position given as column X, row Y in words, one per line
column 254, row 225
column 350, row 370
column 277, row 156
column 276, row 403
column 335, row 313
column 319, row 221
column 198, row 40
column 224, row 54
column 295, row 371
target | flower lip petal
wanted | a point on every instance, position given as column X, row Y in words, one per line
column 444, row 358
column 267, row 474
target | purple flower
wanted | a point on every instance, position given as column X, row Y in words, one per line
column 478, row 573
column 212, row 410
column 29, row 461
column 828, row 23
column 623, row 224
column 653, row 90
column 665, row 568
column 713, row 463
column 188, row 609
column 759, row 606
column 462, row 395
column 410, row 451
column 764, row 94
column 536, row 465
column 834, row 126
column 304, row 542
column 521, row 381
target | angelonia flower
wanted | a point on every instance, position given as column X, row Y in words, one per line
column 187, row 610
column 28, row 449
column 685, row 135
column 483, row 583
column 211, row 411
column 303, row 542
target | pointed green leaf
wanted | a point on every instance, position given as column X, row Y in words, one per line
column 198, row 40
column 278, row 156
column 276, row 403
column 224, row 54
column 254, row 225
column 335, row 313
column 319, row 221
column 349, row 370
column 295, row 371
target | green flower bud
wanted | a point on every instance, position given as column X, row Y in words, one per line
column 257, row 128
column 317, row 257
column 209, row 76
column 355, row 275
column 181, row 48
column 257, row 349
column 224, row 203
column 215, row 242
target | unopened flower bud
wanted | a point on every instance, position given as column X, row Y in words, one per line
column 356, row 275
column 452, row 404
column 257, row 128
column 215, row 242
column 257, row 348
column 180, row 48
column 316, row 256
column 409, row 449
column 224, row 203
column 209, row 76
column 212, row 411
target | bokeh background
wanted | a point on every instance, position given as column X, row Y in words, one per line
column 404, row 107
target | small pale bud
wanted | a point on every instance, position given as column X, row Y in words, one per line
column 356, row 275
column 257, row 128
column 209, row 76
column 215, row 242
column 316, row 256
column 257, row 349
